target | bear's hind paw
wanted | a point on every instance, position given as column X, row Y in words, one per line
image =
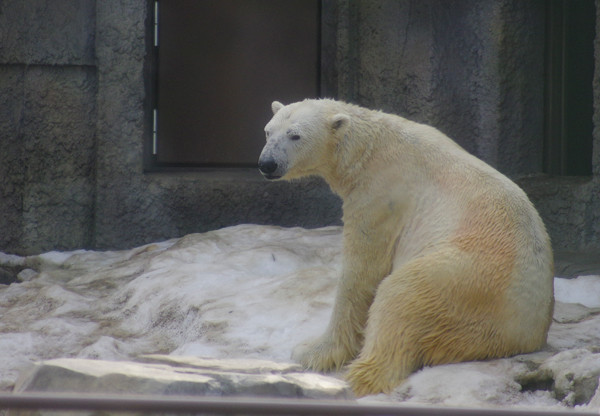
column 367, row 377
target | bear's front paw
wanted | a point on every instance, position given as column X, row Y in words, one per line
column 322, row 354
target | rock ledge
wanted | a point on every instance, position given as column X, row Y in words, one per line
column 176, row 375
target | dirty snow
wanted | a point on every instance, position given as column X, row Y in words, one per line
column 255, row 292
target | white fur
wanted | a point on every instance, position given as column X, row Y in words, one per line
column 445, row 259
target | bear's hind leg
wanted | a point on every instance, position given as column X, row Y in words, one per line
column 391, row 345
column 425, row 313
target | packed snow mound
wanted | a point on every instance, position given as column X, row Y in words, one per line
column 245, row 291
column 255, row 292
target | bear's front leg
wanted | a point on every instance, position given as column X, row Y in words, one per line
column 342, row 341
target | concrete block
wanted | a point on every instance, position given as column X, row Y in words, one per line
column 55, row 32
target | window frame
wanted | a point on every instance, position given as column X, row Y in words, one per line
column 151, row 159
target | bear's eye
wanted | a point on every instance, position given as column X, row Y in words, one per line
column 295, row 137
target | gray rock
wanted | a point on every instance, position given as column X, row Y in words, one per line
column 569, row 313
column 576, row 374
column 243, row 366
column 26, row 275
column 571, row 376
column 595, row 402
column 180, row 376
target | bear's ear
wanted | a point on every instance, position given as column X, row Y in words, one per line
column 339, row 121
column 276, row 106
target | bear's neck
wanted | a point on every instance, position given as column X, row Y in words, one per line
column 347, row 166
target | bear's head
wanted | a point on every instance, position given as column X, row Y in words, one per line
column 300, row 139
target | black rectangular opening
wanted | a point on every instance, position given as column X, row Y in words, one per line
column 219, row 65
column 570, row 32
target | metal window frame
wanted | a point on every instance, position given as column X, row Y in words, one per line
column 152, row 160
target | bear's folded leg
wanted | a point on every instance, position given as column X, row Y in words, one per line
column 413, row 323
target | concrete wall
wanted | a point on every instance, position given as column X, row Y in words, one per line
column 571, row 206
column 74, row 80
column 134, row 207
column 47, row 124
column 75, row 115
column 473, row 69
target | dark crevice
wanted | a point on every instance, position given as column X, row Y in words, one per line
column 8, row 274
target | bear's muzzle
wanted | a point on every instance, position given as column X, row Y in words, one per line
column 268, row 167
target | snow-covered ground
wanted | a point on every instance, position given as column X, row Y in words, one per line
column 244, row 292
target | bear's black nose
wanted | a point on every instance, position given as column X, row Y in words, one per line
column 267, row 166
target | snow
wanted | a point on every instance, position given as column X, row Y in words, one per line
column 478, row 384
column 584, row 290
column 241, row 292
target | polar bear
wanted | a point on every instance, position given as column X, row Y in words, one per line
column 444, row 258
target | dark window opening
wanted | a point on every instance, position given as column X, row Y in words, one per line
column 219, row 65
column 570, row 32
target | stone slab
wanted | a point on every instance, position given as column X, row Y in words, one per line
column 167, row 375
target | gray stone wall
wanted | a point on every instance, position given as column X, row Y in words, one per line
column 570, row 206
column 473, row 69
column 74, row 118
column 73, row 122
column 133, row 206
column 47, row 124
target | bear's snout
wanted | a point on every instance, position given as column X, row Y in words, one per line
column 268, row 167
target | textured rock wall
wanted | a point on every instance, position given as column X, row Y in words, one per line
column 473, row 69
column 594, row 207
column 47, row 124
column 74, row 120
column 75, row 117
column 50, row 32
column 134, row 207
column 570, row 206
